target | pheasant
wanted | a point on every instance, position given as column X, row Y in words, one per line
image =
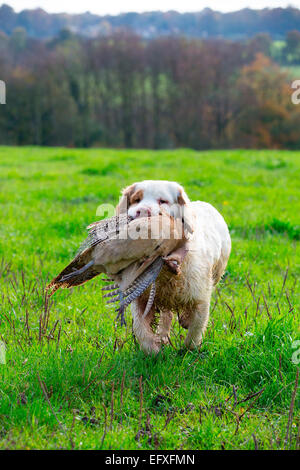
column 131, row 252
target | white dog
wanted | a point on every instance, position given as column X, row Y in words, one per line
column 200, row 265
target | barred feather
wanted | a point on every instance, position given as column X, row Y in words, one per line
column 150, row 300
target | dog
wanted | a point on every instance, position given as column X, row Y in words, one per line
column 198, row 266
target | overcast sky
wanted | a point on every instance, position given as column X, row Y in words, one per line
column 118, row 6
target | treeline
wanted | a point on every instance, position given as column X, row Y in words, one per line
column 122, row 91
column 207, row 23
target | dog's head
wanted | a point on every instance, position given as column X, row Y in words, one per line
column 149, row 198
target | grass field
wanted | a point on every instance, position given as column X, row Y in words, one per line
column 74, row 379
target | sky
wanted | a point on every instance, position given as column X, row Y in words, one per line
column 117, row 6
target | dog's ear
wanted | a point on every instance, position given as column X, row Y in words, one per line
column 185, row 211
column 182, row 197
column 124, row 203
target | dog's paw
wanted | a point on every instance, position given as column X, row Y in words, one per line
column 164, row 339
column 152, row 346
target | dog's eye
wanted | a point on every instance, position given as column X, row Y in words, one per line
column 135, row 200
column 163, row 201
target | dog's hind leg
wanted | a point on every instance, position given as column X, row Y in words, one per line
column 184, row 318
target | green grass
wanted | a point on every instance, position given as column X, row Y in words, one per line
column 74, row 379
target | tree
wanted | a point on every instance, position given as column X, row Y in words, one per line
column 293, row 46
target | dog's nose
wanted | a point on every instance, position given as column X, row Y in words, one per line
column 143, row 212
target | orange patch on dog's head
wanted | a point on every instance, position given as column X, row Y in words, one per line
column 136, row 197
column 181, row 199
column 124, row 203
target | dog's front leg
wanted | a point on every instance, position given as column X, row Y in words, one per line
column 149, row 342
column 164, row 326
column 197, row 325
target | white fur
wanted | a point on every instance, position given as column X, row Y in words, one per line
column 188, row 294
column 153, row 191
